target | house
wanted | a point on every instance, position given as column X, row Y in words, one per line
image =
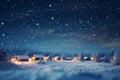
column 68, row 58
column 45, row 58
column 57, row 58
column 20, row 59
column 75, row 59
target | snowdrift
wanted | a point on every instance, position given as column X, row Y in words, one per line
column 62, row 70
column 8, row 66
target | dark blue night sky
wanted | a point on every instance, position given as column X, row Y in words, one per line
column 60, row 26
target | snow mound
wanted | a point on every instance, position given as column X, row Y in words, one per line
column 8, row 66
column 52, row 75
column 69, row 66
column 59, row 70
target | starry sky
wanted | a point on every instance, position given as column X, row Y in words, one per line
column 60, row 26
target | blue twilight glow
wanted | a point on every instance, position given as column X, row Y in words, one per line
column 60, row 26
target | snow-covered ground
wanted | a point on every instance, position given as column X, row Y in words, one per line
column 59, row 70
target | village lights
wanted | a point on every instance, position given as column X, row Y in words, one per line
column 92, row 58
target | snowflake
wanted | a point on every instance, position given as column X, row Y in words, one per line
column 52, row 18
column 1, row 44
column 2, row 23
column 37, row 24
column 3, row 34
column 50, row 5
column 94, row 34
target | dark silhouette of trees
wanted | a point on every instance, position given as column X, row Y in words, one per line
column 3, row 55
column 116, row 59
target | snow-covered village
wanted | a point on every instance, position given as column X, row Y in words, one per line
column 60, row 67
column 59, row 39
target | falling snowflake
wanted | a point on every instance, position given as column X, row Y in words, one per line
column 52, row 18
column 3, row 34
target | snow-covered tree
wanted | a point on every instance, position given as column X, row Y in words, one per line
column 74, row 55
column 46, row 54
column 110, row 55
column 99, row 57
column 105, row 59
column 51, row 56
column 30, row 55
column 80, row 57
column 3, row 55
column 116, row 59
column 63, row 57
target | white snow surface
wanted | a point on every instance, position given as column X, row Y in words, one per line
column 59, row 70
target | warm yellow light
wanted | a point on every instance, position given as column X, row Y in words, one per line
column 32, row 59
column 55, row 59
column 12, row 60
column 17, row 62
column 75, row 59
column 92, row 58
column 45, row 58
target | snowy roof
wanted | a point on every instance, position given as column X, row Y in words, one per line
column 22, row 57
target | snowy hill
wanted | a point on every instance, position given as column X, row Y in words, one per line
column 4, row 66
column 60, row 70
